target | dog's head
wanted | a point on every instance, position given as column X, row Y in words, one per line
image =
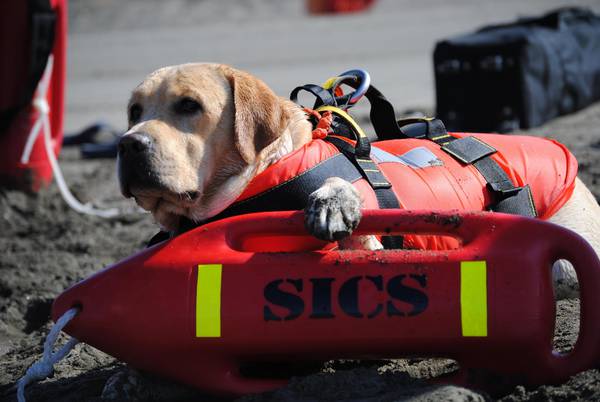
column 197, row 135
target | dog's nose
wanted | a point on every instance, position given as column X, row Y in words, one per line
column 135, row 143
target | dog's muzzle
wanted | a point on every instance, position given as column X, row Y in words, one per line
column 134, row 156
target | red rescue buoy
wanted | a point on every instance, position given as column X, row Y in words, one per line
column 199, row 307
column 32, row 73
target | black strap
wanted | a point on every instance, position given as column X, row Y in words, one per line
column 290, row 195
column 343, row 128
column 368, row 169
column 472, row 151
column 324, row 97
column 382, row 113
column 436, row 132
column 383, row 116
column 520, row 203
column 293, row 194
column 364, row 164
column 508, row 198
column 425, row 127
column 42, row 21
column 495, row 176
column 468, row 149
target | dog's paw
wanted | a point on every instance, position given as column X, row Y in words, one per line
column 333, row 211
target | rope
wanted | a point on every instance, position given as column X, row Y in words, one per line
column 45, row 367
column 324, row 121
column 42, row 124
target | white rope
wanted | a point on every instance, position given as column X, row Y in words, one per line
column 42, row 124
column 41, row 105
column 44, row 367
column 62, row 185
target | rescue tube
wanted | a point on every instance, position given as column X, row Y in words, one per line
column 199, row 307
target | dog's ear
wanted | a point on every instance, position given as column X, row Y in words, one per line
column 260, row 117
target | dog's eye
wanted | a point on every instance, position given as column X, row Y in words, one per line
column 135, row 112
column 186, row 106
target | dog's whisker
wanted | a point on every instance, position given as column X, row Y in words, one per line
column 188, row 196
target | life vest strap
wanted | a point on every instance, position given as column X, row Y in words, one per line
column 509, row 198
column 323, row 96
column 473, row 151
column 496, row 177
column 293, row 194
column 290, row 195
column 468, row 149
column 364, row 164
column 520, row 203
column 386, row 199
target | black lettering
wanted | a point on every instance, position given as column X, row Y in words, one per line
column 400, row 291
column 279, row 297
column 348, row 297
column 378, row 282
column 321, row 298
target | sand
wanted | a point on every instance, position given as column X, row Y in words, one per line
column 46, row 247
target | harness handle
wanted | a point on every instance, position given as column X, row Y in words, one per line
column 382, row 114
column 330, row 94
column 361, row 81
column 323, row 96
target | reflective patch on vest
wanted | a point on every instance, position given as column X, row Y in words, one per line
column 416, row 158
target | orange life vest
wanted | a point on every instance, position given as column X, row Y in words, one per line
column 423, row 176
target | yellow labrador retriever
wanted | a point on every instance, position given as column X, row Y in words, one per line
column 198, row 134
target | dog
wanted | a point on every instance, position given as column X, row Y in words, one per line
column 199, row 133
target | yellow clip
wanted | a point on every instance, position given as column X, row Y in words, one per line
column 345, row 116
column 329, row 83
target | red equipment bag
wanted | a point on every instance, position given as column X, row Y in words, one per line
column 201, row 306
column 32, row 76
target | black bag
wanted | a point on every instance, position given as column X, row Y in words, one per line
column 519, row 75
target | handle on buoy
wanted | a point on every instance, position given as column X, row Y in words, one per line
column 586, row 352
column 466, row 226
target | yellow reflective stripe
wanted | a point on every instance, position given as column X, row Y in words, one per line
column 473, row 298
column 440, row 136
column 345, row 115
column 208, row 301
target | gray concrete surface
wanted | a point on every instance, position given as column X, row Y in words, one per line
column 113, row 44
